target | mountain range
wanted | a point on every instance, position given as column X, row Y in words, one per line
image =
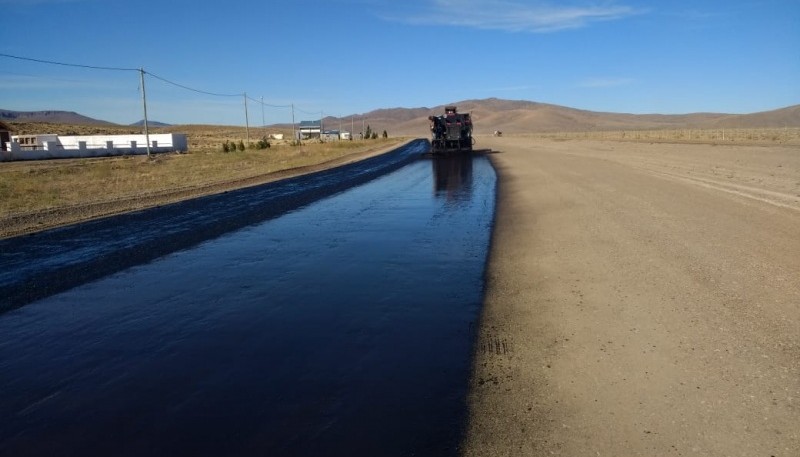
column 64, row 117
column 509, row 116
column 55, row 117
column 519, row 116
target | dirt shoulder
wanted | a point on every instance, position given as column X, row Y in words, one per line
column 33, row 221
column 641, row 300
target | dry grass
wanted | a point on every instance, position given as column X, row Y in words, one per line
column 34, row 186
column 756, row 136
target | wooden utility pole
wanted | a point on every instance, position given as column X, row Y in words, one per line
column 246, row 119
column 144, row 105
column 294, row 136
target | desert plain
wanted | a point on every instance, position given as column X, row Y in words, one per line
column 641, row 300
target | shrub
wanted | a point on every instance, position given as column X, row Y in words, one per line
column 263, row 143
column 241, row 145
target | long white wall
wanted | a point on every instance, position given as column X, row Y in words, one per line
column 97, row 146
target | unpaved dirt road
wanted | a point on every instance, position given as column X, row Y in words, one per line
column 642, row 300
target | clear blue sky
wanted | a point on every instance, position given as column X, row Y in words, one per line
column 345, row 57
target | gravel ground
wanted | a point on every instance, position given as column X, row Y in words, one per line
column 642, row 299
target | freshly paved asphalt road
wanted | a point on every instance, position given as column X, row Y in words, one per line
column 341, row 327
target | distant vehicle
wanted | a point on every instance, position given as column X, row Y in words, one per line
column 498, row 133
column 451, row 132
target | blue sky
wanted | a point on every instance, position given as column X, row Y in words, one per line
column 343, row 57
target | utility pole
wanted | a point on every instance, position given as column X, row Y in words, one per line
column 144, row 105
column 293, row 134
column 246, row 119
column 263, row 124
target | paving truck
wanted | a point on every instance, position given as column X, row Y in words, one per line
column 451, row 132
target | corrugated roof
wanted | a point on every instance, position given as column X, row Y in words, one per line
column 316, row 124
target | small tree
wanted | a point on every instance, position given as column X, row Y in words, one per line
column 374, row 135
column 241, row 145
column 368, row 133
column 263, row 143
column 225, row 147
column 385, row 135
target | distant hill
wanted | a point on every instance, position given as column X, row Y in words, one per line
column 520, row 116
column 150, row 124
column 784, row 117
column 509, row 116
column 55, row 117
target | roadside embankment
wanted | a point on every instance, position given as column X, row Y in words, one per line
column 51, row 193
column 47, row 262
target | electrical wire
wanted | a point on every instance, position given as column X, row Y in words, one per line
column 142, row 70
column 267, row 104
column 308, row 112
column 93, row 67
column 190, row 88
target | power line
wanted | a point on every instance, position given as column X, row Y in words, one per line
column 308, row 112
column 189, row 88
column 142, row 72
column 93, row 67
column 261, row 102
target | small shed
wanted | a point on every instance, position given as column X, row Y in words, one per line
column 330, row 135
column 309, row 129
column 5, row 135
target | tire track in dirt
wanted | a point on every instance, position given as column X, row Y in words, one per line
column 779, row 199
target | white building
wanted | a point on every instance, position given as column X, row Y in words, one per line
column 309, row 129
column 35, row 147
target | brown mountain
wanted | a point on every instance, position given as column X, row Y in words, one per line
column 509, row 116
column 784, row 117
column 54, row 117
column 519, row 116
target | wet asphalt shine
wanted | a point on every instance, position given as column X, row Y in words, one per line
column 325, row 315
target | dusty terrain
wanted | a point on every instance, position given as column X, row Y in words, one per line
column 642, row 299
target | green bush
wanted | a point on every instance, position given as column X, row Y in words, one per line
column 241, row 145
column 263, row 143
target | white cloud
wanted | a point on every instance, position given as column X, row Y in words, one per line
column 605, row 82
column 513, row 16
